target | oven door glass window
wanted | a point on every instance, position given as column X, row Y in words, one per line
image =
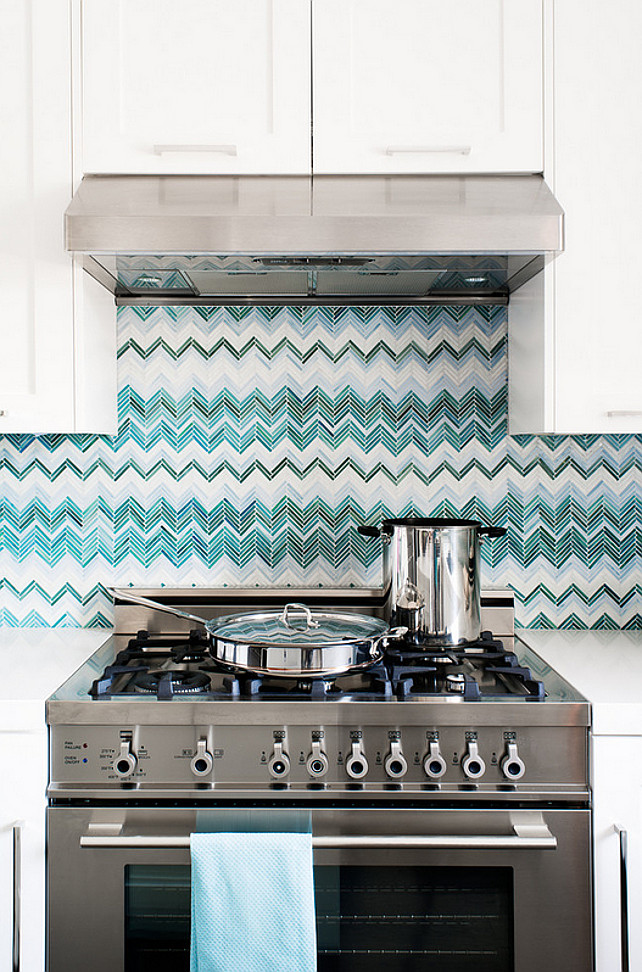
column 446, row 919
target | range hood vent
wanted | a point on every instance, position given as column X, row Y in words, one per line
column 321, row 240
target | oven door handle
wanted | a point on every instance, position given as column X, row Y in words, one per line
column 535, row 838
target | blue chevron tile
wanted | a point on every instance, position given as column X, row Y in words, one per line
column 253, row 441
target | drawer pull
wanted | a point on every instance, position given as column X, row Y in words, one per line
column 219, row 149
column 428, row 150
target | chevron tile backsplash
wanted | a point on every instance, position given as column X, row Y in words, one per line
column 252, row 442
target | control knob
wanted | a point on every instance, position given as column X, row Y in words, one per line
column 279, row 764
column 512, row 766
column 356, row 763
column 434, row 763
column 126, row 762
column 395, row 763
column 202, row 762
column 473, row 765
column 317, row 762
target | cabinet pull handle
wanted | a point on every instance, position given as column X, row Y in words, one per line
column 17, row 882
column 624, row 896
column 624, row 412
column 428, row 149
column 219, row 149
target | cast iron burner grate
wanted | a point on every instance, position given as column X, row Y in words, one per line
column 166, row 668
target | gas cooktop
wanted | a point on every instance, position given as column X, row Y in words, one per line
column 180, row 668
column 485, row 719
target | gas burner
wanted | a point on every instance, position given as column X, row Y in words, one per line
column 171, row 682
column 188, row 654
column 456, row 683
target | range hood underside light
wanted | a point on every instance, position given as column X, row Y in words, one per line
column 328, row 240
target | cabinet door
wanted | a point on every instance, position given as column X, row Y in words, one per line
column 210, row 86
column 617, row 800
column 427, row 86
column 23, row 804
column 597, row 142
column 36, row 364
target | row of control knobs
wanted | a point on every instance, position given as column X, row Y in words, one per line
column 357, row 767
column 395, row 763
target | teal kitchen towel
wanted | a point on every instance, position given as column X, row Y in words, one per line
column 252, row 903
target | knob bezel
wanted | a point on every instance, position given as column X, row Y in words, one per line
column 317, row 763
column 512, row 759
column 395, row 763
column 473, row 765
column 202, row 756
column 279, row 762
column 125, row 757
column 357, row 758
column 434, row 756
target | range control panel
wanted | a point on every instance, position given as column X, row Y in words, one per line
column 331, row 756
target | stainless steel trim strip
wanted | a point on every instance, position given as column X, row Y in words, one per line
column 543, row 841
column 177, row 300
column 17, row 888
column 624, row 897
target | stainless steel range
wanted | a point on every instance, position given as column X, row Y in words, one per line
column 446, row 791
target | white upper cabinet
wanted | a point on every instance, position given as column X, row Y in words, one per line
column 198, row 86
column 36, row 365
column 58, row 362
column 427, row 86
column 597, row 177
column 577, row 367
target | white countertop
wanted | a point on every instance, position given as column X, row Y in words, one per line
column 34, row 662
column 605, row 666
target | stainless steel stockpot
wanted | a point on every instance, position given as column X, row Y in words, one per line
column 431, row 576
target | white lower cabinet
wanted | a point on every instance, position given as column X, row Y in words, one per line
column 617, row 823
column 23, row 757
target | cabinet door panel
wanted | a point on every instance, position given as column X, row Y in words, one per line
column 597, row 141
column 216, row 86
column 23, row 802
column 617, row 788
column 36, row 366
column 426, row 86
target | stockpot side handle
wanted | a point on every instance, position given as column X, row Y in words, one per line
column 492, row 532
column 369, row 531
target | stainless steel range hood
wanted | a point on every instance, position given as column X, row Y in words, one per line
column 313, row 240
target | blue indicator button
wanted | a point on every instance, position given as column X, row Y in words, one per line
column 84, row 760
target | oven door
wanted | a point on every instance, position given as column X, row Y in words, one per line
column 452, row 890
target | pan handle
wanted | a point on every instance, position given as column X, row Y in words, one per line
column 125, row 595
column 492, row 532
column 394, row 634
